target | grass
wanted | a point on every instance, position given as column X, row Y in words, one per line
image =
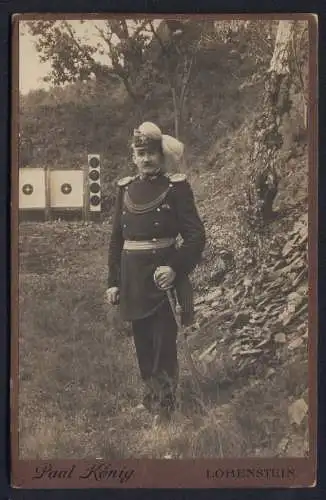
column 79, row 382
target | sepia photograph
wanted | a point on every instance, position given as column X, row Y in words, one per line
column 164, row 201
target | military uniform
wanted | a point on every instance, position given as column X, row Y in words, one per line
column 149, row 214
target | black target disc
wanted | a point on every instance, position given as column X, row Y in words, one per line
column 66, row 188
column 94, row 162
column 94, row 175
column 95, row 200
column 94, row 187
column 27, row 189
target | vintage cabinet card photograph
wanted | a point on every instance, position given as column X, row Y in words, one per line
column 164, row 251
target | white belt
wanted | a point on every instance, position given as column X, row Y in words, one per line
column 148, row 244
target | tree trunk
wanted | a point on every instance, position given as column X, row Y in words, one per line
column 280, row 60
column 267, row 137
column 183, row 92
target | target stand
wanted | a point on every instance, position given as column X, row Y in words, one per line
column 49, row 193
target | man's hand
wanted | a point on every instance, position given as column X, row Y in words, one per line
column 164, row 277
column 113, row 295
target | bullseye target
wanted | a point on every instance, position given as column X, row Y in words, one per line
column 66, row 189
column 32, row 188
column 27, row 189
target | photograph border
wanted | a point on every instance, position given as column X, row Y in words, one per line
column 155, row 473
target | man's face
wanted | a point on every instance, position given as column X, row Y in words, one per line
column 148, row 161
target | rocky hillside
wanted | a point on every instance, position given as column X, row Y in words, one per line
column 251, row 334
column 257, row 313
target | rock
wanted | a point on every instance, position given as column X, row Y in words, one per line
column 279, row 264
column 226, row 315
column 247, row 283
column 303, row 237
column 259, row 320
column 274, row 253
column 297, row 411
column 199, row 300
column 277, row 283
column 300, row 277
column 292, row 317
column 288, row 247
column 236, row 349
column 298, row 446
column 280, row 338
column 295, row 343
column 235, row 295
column 299, row 292
column 262, row 303
column 202, row 308
column 294, row 256
column 210, row 297
column 250, row 351
column 296, row 264
column 282, row 446
column 241, row 319
column 301, row 223
column 264, row 342
column 208, row 314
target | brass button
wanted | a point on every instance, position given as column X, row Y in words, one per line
column 125, row 225
column 158, row 209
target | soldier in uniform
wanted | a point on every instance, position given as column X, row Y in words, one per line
column 152, row 209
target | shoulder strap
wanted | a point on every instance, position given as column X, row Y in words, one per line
column 177, row 178
column 125, row 181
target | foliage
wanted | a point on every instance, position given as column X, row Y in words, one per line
column 146, row 55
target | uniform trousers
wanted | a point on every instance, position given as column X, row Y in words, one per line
column 155, row 339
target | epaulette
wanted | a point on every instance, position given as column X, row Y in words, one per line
column 125, row 181
column 177, row 177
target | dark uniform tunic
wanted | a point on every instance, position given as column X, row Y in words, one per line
column 150, row 209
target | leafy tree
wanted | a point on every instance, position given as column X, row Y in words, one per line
column 140, row 53
column 120, row 47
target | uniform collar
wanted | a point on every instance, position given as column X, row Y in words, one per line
column 150, row 177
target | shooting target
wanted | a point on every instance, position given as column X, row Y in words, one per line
column 31, row 188
column 94, row 179
column 66, row 188
column 94, row 161
column 27, row 189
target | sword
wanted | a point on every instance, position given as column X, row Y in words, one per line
column 197, row 376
